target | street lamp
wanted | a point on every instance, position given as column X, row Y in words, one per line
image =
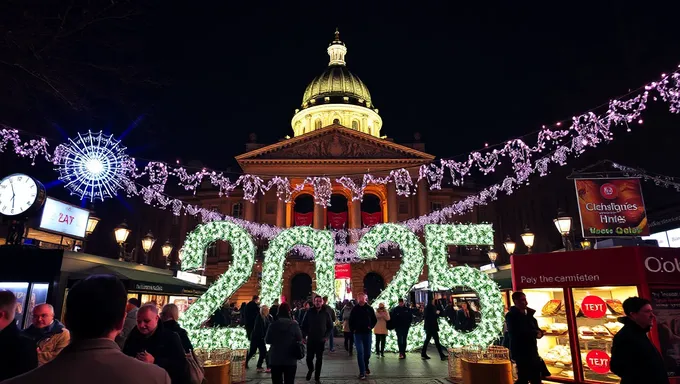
column 167, row 249
column 563, row 224
column 493, row 255
column 92, row 222
column 121, row 232
column 585, row 244
column 528, row 238
column 509, row 246
column 147, row 243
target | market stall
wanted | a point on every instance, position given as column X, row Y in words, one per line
column 578, row 297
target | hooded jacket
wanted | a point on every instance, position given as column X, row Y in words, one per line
column 317, row 324
column 50, row 340
column 634, row 358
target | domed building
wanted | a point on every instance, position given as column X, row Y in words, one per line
column 336, row 131
column 337, row 96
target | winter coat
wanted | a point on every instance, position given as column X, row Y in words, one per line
column 282, row 336
column 317, row 325
column 331, row 313
column 382, row 317
column 50, row 340
column 166, row 348
column 274, row 312
column 260, row 328
column 252, row 312
column 402, row 317
column 362, row 319
column 634, row 358
column 346, row 311
column 431, row 317
column 172, row 325
column 452, row 315
column 465, row 323
column 522, row 332
column 98, row 361
column 128, row 326
column 17, row 353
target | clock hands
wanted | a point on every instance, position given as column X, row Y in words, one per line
column 13, row 194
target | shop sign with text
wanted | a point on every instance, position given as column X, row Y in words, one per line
column 611, row 208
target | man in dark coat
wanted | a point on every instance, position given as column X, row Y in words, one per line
column 402, row 317
column 169, row 317
column 251, row 313
column 362, row 320
column 316, row 329
column 150, row 342
column 523, row 332
column 431, row 326
column 465, row 319
column 301, row 313
column 18, row 354
column 274, row 310
column 634, row 358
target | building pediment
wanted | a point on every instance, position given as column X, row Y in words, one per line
column 334, row 143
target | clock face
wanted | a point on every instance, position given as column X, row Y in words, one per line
column 18, row 193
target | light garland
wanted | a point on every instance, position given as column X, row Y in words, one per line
column 238, row 272
column 437, row 239
column 321, row 243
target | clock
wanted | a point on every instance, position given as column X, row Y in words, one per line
column 20, row 195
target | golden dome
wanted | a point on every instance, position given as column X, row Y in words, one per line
column 337, row 84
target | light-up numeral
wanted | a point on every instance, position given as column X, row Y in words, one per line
column 407, row 276
column 240, row 269
column 323, row 246
column 437, row 238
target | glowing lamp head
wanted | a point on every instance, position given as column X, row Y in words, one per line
column 166, row 248
column 148, row 242
column 563, row 223
column 92, row 222
column 94, row 166
column 528, row 237
column 585, row 244
column 121, row 233
column 509, row 245
column 180, row 254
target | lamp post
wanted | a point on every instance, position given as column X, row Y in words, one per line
column 509, row 245
column 121, row 232
column 147, row 243
column 585, row 244
column 528, row 238
column 563, row 224
column 493, row 255
column 167, row 249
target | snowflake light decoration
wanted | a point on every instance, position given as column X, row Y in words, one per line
column 93, row 166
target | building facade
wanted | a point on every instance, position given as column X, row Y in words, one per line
column 336, row 132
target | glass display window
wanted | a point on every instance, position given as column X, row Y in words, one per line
column 551, row 316
column 159, row 300
column 597, row 310
column 20, row 291
column 37, row 296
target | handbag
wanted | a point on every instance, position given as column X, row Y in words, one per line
column 196, row 372
column 299, row 350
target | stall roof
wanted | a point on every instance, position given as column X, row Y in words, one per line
column 502, row 276
column 139, row 277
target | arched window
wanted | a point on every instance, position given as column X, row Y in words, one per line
column 317, row 124
column 336, row 121
column 237, row 210
column 355, row 125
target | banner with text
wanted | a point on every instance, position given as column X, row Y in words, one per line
column 303, row 219
column 611, row 208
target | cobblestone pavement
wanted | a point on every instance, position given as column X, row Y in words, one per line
column 338, row 368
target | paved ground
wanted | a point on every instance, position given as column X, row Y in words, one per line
column 338, row 368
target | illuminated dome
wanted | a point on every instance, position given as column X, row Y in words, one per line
column 337, row 96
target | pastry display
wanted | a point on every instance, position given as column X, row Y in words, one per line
column 559, row 354
column 600, row 330
column 613, row 327
column 585, row 331
column 551, row 308
column 558, row 328
column 577, row 308
column 615, row 306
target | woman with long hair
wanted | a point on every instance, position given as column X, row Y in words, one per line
column 380, row 329
column 262, row 323
column 349, row 336
column 283, row 336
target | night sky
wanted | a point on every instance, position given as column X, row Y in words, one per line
column 461, row 76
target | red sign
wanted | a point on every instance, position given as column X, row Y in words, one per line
column 593, row 307
column 370, row 219
column 611, row 208
column 598, row 361
column 337, row 220
column 303, row 219
column 343, row 271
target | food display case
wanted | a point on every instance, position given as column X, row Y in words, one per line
column 578, row 299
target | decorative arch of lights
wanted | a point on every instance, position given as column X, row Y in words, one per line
column 93, row 165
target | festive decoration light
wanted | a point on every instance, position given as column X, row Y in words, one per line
column 321, row 243
column 438, row 238
column 238, row 272
column 585, row 244
column 93, row 166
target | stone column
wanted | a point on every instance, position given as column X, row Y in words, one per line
column 392, row 204
column 422, row 193
column 319, row 217
column 280, row 213
column 249, row 211
column 355, row 207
